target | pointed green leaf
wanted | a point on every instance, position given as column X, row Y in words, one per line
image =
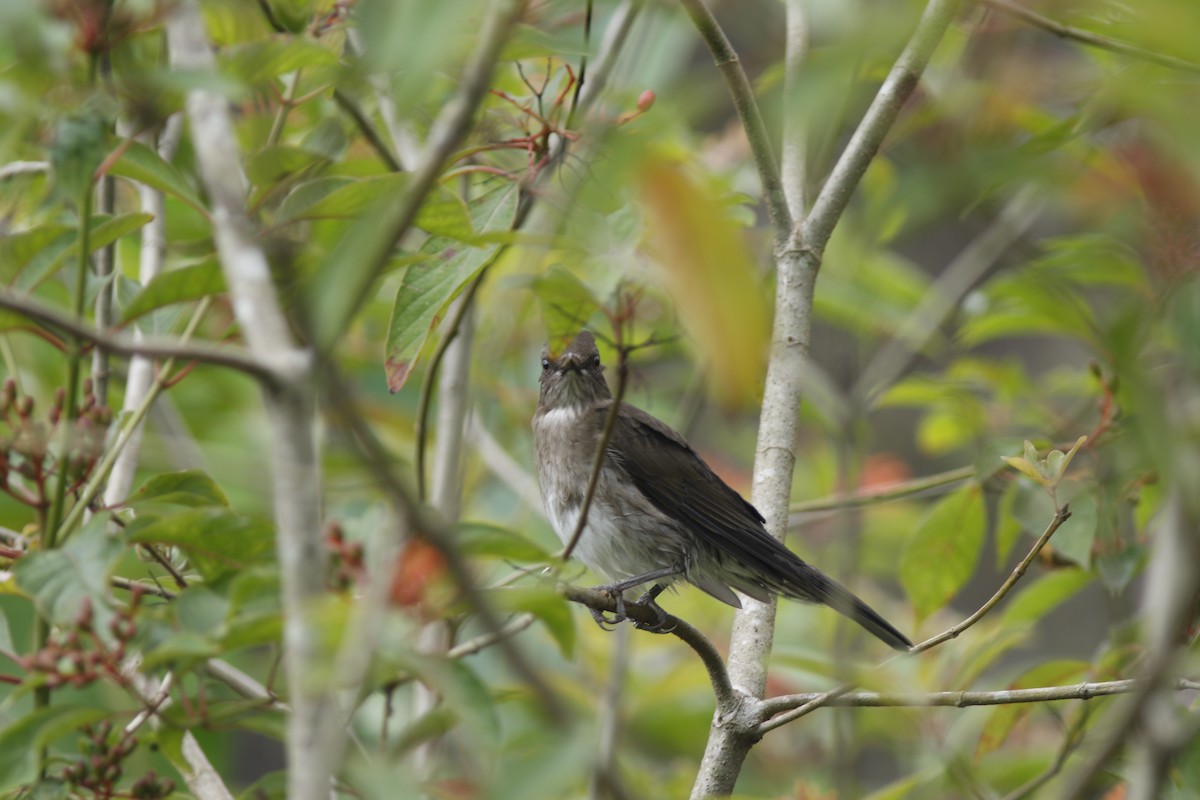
column 216, row 540
column 1003, row 719
column 566, row 302
column 482, row 539
column 176, row 286
column 942, row 554
column 144, row 165
column 1046, row 593
column 1025, row 468
column 22, row 740
column 59, row 580
column 429, row 286
column 545, row 604
column 192, row 488
column 254, row 62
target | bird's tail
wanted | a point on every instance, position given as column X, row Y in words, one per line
column 842, row 600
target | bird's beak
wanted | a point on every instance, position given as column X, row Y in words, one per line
column 571, row 363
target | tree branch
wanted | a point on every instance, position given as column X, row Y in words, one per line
column 876, row 123
column 225, row 356
column 713, row 663
column 883, row 494
column 289, row 406
column 1043, row 694
column 1082, row 36
column 730, row 66
column 824, row 698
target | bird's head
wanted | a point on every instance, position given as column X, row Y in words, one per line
column 573, row 377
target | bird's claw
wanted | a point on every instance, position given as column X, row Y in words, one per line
column 663, row 622
column 620, row 616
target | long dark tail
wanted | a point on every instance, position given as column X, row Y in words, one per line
column 819, row 587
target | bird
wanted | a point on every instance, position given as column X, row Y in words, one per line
column 659, row 514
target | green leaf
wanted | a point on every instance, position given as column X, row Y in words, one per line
column 1046, row 593
column 254, row 62
column 429, row 286
column 22, row 740
column 1074, row 539
column 545, row 604
column 191, row 487
column 59, row 580
column 78, row 149
column 176, row 286
column 942, row 554
column 567, row 304
column 1008, row 528
column 482, row 539
column 217, row 540
column 278, row 161
column 1026, row 468
column 144, row 165
column 36, row 246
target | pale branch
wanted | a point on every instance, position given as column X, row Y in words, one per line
column 824, row 698
column 151, row 259
column 744, row 102
column 503, row 466
column 151, row 347
column 793, row 162
column 433, row 530
column 128, row 423
column 1042, row 694
column 1089, row 38
column 868, row 137
column 14, row 168
column 885, row 493
column 290, row 408
column 117, row 582
column 945, row 295
column 201, row 777
column 600, row 600
column 485, row 640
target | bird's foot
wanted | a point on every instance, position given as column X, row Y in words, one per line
column 663, row 622
column 602, row 619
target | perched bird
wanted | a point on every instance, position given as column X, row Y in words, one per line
column 659, row 514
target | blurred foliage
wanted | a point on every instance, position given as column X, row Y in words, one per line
column 1085, row 331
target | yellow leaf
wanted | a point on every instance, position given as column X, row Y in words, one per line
column 712, row 278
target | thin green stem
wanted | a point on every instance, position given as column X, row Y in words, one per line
column 74, row 363
column 895, row 491
column 99, row 475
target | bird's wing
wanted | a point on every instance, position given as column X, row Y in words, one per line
column 676, row 480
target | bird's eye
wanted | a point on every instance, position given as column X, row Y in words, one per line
column 596, row 360
column 545, row 364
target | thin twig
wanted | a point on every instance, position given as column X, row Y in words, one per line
column 148, row 588
column 868, row 137
column 610, row 423
column 433, row 531
column 347, row 104
column 883, row 494
column 1070, row 742
column 709, row 656
column 730, row 66
column 226, row 356
column 1060, row 516
column 1001, row 697
column 1087, row 37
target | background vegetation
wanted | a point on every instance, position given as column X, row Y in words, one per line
column 277, row 275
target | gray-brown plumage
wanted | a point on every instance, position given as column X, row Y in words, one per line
column 659, row 513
